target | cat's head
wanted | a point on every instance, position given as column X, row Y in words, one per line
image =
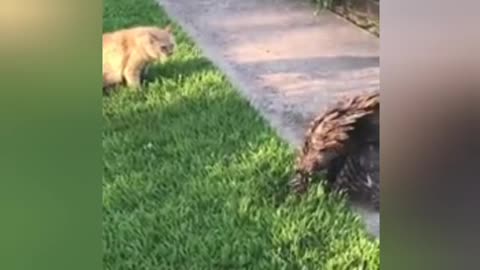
column 161, row 43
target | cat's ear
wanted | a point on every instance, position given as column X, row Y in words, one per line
column 168, row 28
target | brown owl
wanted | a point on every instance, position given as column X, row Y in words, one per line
column 344, row 141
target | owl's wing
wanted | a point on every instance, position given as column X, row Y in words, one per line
column 359, row 175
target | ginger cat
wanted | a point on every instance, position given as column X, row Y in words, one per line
column 127, row 52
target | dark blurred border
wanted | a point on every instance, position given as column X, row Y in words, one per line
column 50, row 135
column 429, row 134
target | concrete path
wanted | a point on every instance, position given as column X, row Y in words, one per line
column 288, row 62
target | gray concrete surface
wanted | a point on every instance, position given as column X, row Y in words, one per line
column 289, row 63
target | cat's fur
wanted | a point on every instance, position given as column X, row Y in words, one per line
column 127, row 52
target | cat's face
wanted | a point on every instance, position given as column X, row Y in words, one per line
column 162, row 43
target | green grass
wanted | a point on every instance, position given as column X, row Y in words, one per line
column 195, row 179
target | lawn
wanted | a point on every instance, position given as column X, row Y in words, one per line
column 195, row 179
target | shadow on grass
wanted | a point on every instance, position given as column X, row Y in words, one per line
column 193, row 138
column 174, row 69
